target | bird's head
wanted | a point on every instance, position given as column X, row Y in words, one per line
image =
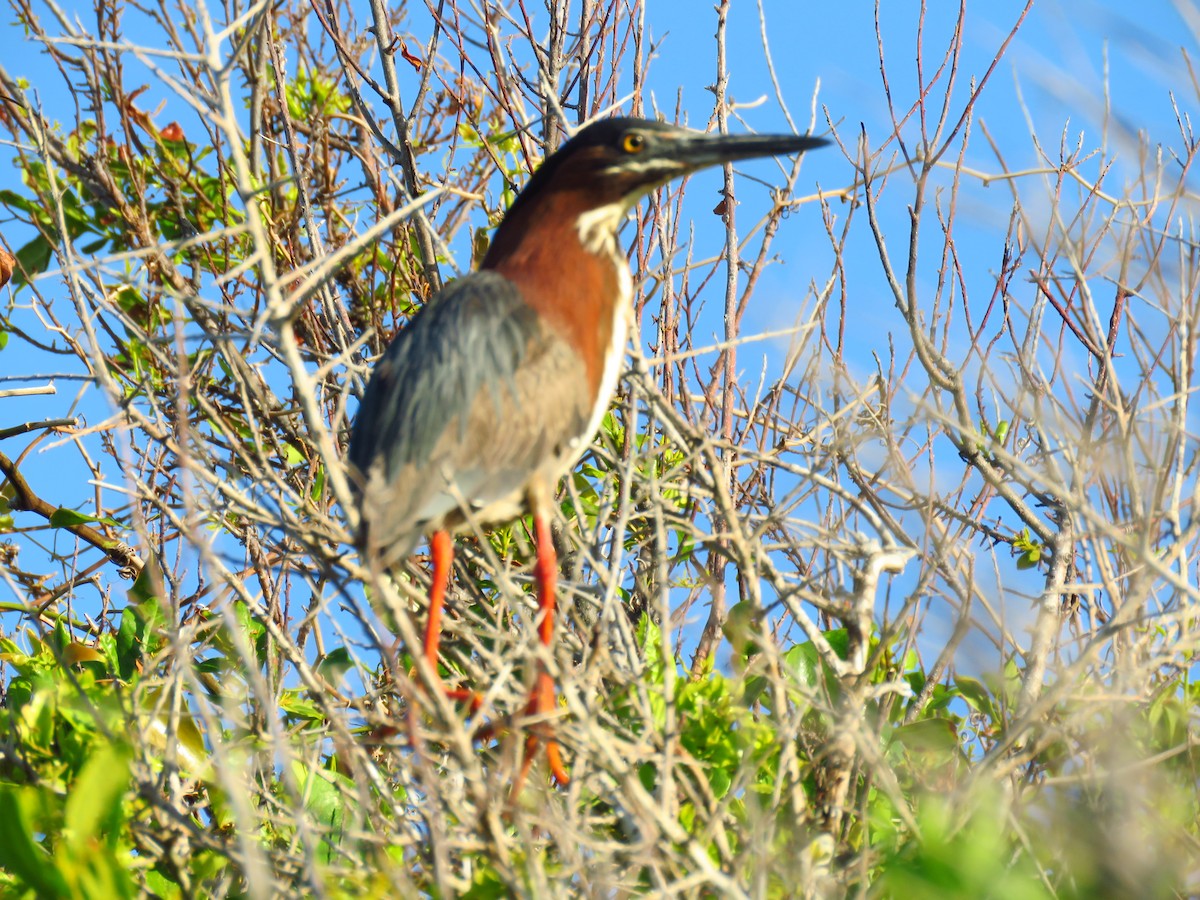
column 609, row 165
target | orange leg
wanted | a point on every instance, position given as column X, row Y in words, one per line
column 441, row 548
column 541, row 700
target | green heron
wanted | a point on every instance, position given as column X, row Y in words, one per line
column 497, row 385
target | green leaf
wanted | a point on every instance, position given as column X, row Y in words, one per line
column 291, row 455
column 720, row 782
column 295, row 703
column 326, row 795
column 143, row 589
column 805, row 660
column 93, row 809
column 753, row 689
column 976, row 694
column 32, row 259
column 335, row 665
column 650, row 641
column 839, row 640
column 740, row 628
column 129, row 642
column 805, row 663
column 65, row 518
column 934, row 735
column 318, row 488
column 161, row 885
column 19, row 853
column 17, row 201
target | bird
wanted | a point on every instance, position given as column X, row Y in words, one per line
column 494, row 389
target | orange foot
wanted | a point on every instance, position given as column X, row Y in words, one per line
column 541, row 703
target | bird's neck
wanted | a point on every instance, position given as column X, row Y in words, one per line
column 563, row 254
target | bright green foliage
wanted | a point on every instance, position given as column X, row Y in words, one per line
column 314, row 94
column 65, row 811
column 1030, row 550
column 72, row 817
column 505, row 147
column 152, row 182
column 962, row 854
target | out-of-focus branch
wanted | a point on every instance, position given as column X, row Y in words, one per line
column 24, row 498
column 26, row 427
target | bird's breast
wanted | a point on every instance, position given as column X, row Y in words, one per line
column 570, row 269
column 619, row 315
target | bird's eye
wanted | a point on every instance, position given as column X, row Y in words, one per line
column 633, row 142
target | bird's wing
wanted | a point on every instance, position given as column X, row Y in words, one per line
column 471, row 400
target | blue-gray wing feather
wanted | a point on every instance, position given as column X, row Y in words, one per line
column 473, row 332
column 467, row 404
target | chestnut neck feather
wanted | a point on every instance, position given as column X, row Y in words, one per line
column 574, row 289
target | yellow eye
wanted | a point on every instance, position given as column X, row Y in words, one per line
column 633, row 142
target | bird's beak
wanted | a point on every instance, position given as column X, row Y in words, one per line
column 694, row 150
